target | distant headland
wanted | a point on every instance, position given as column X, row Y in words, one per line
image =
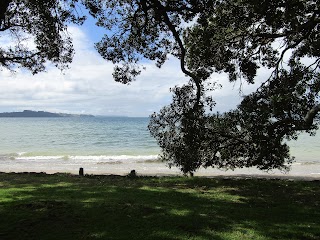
column 29, row 113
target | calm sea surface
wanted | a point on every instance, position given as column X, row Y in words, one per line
column 96, row 136
column 98, row 143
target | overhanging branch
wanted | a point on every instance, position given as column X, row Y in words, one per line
column 16, row 59
column 177, row 38
column 311, row 115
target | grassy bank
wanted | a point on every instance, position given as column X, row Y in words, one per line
column 39, row 206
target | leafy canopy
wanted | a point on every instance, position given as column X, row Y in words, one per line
column 246, row 35
column 239, row 37
column 38, row 33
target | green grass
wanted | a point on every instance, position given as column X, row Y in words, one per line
column 39, row 206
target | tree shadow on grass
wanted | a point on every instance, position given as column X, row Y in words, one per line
column 66, row 207
column 281, row 209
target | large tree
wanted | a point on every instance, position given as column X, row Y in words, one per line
column 238, row 37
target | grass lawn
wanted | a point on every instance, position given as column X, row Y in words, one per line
column 61, row 206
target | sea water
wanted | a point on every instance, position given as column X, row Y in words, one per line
column 76, row 136
column 104, row 145
column 65, row 144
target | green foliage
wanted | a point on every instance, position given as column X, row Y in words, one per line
column 139, row 31
column 179, row 130
column 238, row 38
column 43, row 23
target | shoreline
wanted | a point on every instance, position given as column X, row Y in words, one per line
column 231, row 176
column 147, row 167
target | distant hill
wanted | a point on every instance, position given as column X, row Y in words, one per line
column 28, row 113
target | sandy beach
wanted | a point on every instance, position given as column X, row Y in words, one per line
column 150, row 168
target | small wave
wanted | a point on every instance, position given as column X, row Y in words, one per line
column 11, row 156
column 29, row 158
column 157, row 160
column 21, row 153
column 65, row 158
column 114, row 162
column 310, row 163
column 306, row 162
column 93, row 159
column 116, row 157
column 293, row 164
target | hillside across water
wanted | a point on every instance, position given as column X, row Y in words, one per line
column 29, row 113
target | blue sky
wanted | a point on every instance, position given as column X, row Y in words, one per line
column 88, row 87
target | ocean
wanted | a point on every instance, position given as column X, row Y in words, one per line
column 107, row 145
column 76, row 136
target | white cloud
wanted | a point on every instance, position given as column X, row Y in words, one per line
column 88, row 86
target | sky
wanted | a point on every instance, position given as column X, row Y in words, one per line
column 88, row 87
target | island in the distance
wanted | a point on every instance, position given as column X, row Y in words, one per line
column 29, row 113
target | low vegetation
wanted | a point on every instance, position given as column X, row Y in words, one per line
column 62, row 206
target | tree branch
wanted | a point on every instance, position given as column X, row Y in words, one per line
column 16, row 59
column 177, row 38
column 4, row 4
column 311, row 115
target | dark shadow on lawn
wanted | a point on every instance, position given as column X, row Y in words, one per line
column 93, row 207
